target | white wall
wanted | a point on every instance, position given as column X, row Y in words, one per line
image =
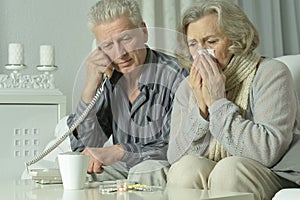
column 61, row 23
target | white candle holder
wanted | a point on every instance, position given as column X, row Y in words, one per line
column 17, row 80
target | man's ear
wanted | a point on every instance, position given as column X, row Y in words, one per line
column 144, row 27
column 95, row 44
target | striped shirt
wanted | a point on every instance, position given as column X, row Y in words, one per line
column 143, row 127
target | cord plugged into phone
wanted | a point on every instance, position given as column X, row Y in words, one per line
column 53, row 175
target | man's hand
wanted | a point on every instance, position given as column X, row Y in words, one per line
column 103, row 156
column 94, row 165
column 97, row 64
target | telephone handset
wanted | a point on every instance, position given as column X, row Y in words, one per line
column 71, row 129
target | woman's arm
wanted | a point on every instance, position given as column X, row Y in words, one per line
column 267, row 130
column 187, row 125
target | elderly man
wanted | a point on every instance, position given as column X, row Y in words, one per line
column 126, row 133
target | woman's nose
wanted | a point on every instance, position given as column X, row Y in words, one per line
column 200, row 47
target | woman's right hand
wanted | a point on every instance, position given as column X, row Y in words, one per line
column 196, row 83
column 97, row 64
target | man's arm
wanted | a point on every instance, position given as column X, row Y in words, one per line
column 89, row 133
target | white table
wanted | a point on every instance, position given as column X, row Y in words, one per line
column 287, row 193
column 29, row 190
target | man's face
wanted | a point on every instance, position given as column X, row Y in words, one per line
column 123, row 43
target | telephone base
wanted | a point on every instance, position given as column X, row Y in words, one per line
column 46, row 176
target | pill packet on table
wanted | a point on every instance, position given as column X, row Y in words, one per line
column 108, row 187
column 125, row 186
column 145, row 188
column 114, row 186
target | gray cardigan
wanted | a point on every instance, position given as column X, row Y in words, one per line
column 264, row 134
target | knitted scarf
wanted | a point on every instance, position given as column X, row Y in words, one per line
column 239, row 75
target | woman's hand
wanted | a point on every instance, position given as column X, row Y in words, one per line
column 213, row 79
column 96, row 64
column 196, row 83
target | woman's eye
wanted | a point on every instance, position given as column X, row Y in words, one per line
column 192, row 44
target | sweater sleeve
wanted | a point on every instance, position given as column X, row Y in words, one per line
column 189, row 131
column 266, row 131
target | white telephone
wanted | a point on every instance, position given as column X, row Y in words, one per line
column 53, row 175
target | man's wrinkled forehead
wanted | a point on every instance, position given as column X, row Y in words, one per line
column 119, row 36
column 112, row 27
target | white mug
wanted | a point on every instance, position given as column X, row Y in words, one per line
column 73, row 169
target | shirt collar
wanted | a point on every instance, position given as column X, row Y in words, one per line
column 149, row 69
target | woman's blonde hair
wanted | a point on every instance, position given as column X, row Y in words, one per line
column 232, row 21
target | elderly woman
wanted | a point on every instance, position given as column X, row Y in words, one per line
column 236, row 115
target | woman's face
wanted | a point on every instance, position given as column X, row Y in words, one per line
column 205, row 34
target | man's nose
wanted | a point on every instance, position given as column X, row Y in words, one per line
column 120, row 50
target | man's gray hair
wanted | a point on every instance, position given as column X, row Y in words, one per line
column 105, row 10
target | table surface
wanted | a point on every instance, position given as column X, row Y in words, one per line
column 28, row 189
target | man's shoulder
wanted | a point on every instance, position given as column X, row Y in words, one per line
column 164, row 56
column 167, row 62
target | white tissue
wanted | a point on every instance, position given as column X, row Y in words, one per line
column 207, row 51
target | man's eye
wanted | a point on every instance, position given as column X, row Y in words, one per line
column 106, row 46
column 126, row 38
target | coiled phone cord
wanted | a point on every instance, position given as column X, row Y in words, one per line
column 71, row 129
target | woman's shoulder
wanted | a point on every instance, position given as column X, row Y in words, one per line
column 184, row 91
column 272, row 73
column 271, row 64
column 184, row 87
column 271, row 68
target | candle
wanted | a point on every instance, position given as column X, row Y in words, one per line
column 15, row 54
column 46, row 55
